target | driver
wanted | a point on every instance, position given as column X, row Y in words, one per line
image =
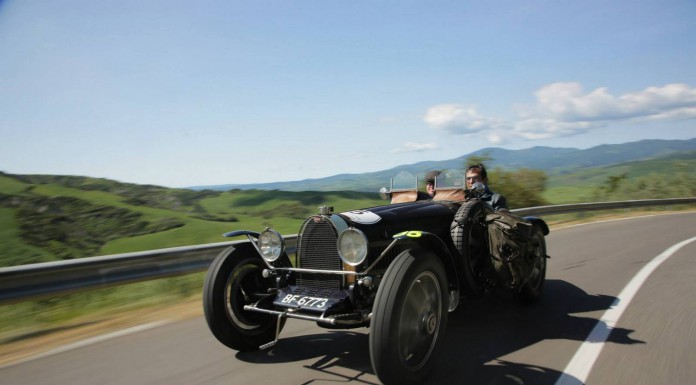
column 477, row 173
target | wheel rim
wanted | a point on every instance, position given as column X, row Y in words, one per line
column 420, row 320
column 239, row 291
column 539, row 264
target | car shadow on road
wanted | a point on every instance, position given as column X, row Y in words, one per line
column 479, row 334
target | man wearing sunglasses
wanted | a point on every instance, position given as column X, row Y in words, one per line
column 477, row 173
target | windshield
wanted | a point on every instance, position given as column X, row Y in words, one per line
column 451, row 179
column 404, row 180
column 449, row 184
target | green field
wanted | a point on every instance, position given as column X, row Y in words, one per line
column 51, row 218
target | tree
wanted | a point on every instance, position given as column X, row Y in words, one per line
column 523, row 187
column 478, row 159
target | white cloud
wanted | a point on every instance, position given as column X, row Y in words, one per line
column 546, row 128
column 565, row 109
column 459, row 119
column 415, row 147
column 496, row 137
column 568, row 102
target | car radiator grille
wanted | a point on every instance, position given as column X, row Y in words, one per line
column 316, row 249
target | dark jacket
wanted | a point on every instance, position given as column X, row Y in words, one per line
column 422, row 196
column 495, row 200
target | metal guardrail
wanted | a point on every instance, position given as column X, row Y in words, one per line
column 19, row 283
column 596, row 206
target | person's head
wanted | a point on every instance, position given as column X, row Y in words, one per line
column 430, row 182
column 476, row 173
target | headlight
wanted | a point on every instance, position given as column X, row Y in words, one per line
column 271, row 245
column 352, row 246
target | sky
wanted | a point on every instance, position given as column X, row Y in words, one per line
column 192, row 93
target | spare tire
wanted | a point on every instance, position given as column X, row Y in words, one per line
column 469, row 235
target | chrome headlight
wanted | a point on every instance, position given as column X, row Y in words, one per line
column 352, row 246
column 271, row 245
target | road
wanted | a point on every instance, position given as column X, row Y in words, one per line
column 490, row 341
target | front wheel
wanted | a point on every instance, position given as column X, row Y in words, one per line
column 409, row 318
column 234, row 279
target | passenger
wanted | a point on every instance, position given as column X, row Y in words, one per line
column 477, row 173
column 429, row 186
column 430, row 182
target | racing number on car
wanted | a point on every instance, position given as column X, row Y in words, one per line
column 410, row 234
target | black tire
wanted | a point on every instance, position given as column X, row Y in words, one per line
column 409, row 318
column 234, row 280
column 470, row 237
column 532, row 290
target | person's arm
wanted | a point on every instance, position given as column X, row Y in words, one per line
column 499, row 203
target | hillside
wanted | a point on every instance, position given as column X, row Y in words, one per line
column 45, row 218
column 668, row 176
column 551, row 160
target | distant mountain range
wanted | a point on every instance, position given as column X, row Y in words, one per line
column 550, row 159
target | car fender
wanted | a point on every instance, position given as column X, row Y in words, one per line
column 432, row 242
column 539, row 222
column 247, row 248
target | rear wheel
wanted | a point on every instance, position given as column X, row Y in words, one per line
column 469, row 235
column 234, row 280
column 532, row 290
column 409, row 318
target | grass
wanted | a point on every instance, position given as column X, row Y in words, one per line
column 28, row 317
column 565, row 195
column 254, row 210
column 13, row 245
column 106, row 199
column 11, row 186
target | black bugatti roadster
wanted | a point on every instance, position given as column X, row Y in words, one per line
column 398, row 269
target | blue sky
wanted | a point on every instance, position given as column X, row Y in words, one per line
column 182, row 93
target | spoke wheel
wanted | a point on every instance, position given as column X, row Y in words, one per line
column 419, row 320
column 233, row 281
column 409, row 318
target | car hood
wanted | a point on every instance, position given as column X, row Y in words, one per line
column 385, row 221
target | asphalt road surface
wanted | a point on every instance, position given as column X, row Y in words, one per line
column 490, row 341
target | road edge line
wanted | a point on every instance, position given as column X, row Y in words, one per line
column 88, row 341
column 579, row 367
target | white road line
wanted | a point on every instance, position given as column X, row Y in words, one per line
column 89, row 341
column 579, row 367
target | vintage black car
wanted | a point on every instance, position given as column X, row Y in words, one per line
column 397, row 269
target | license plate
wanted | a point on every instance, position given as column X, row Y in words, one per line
column 304, row 301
